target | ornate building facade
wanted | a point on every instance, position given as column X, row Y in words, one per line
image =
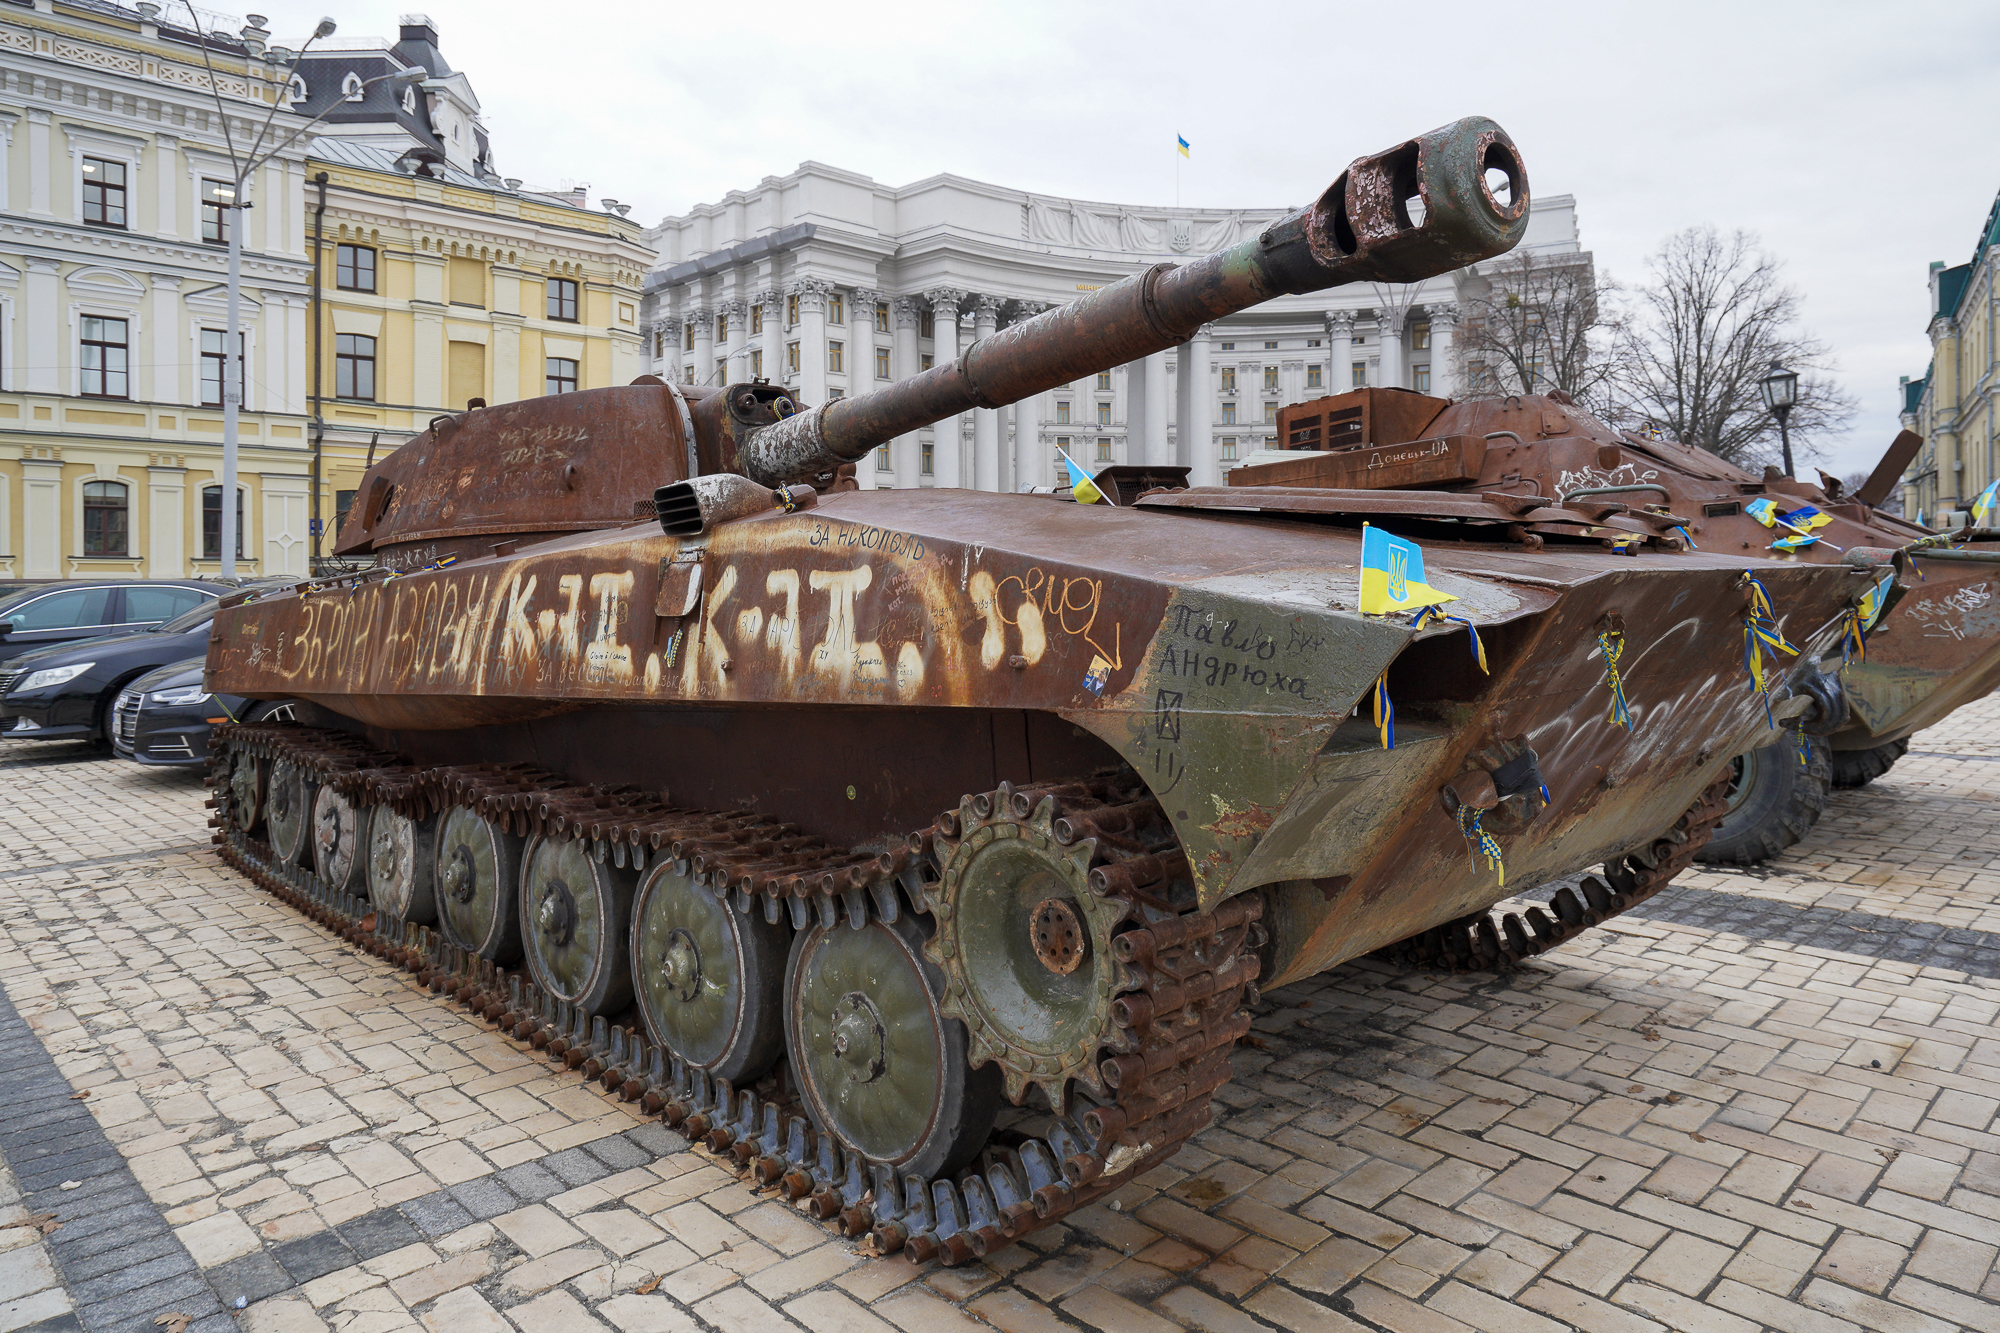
column 833, row 284
column 1952, row 405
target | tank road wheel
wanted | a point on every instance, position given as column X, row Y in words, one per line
column 287, row 810
column 878, row 1063
column 478, row 878
column 574, row 915
column 1858, row 768
column 402, row 865
column 246, row 790
column 710, row 981
column 339, row 828
column 1773, row 801
column 1026, row 948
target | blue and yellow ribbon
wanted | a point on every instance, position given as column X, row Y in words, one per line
column 1761, row 631
column 1480, row 843
column 1611, row 643
column 1385, row 712
column 1688, row 538
column 1430, row 613
column 442, row 562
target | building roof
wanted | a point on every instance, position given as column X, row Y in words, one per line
column 1951, row 290
column 370, row 156
column 1913, row 392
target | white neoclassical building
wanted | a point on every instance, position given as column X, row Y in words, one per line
column 832, row 284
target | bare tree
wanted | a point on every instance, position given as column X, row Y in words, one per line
column 1533, row 323
column 1705, row 331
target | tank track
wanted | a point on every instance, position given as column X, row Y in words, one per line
column 1190, row 979
column 1487, row 941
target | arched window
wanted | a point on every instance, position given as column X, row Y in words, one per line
column 295, row 91
column 105, row 518
column 211, row 523
column 350, row 87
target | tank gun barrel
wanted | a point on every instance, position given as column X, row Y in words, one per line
column 1363, row 228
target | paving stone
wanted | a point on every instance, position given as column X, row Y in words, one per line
column 315, row 1256
column 251, row 1278
column 576, row 1167
column 437, row 1214
column 379, row 1232
column 532, row 1183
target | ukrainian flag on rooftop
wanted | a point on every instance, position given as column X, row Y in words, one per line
column 1392, row 575
column 1184, row 147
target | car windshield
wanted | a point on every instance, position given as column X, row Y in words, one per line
column 194, row 619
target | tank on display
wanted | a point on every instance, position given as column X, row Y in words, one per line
column 923, row 851
column 1567, row 473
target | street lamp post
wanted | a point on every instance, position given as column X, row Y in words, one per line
column 243, row 168
column 1781, row 394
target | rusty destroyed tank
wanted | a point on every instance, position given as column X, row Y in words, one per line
column 637, row 740
column 1566, row 471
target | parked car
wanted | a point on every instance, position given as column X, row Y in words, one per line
column 65, row 691
column 56, row 613
column 164, row 717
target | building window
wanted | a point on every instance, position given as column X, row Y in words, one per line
column 929, row 464
column 562, row 299
column 659, row 346
column 1229, row 448
column 104, row 358
column 881, row 317
column 1534, row 372
column 928, row 360
column 687, row 374
column 1229, row 414
column 1315, row 377
column 1229, row 379
column 881, row 363
column 1270, row 345
column 1062, row 412
column 1229, row 347
column 1312, row 342
column 1360, row 372
column 1270, row 379
column 212, row 367
column 835, row 395
column 1420, row 336
column 687, row 338
column 791, row 312
column 1420, row 378
column 343, row 501
column 722, row 330
column 1270, row 413
column 103, row 192
column 721, row 371
column 1103, row 379
column 104, row 518
column 792, row 358
column 836, row 358
column 756, row 319
column 882, row 463
column 561, row 375
column 211, row 522
column 756, row 364
column 836, row 308
column 215, row 199
column 1104, row 414
column 354, row 366
column 1104, row 448
column 926, row 324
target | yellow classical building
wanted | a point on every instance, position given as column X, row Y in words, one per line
column 1952, row 405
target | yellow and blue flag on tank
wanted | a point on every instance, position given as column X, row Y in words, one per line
column 1392, row 575
column 1983, row 507
column 1082, row 486
column 1805, row 518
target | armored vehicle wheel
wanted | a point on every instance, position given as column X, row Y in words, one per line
column 339, row 830
column 1774, row 800
column 1858, row 768
column 246, row 790
column 287, row 810
column 574, row 915
column 709, row 980
column 478, row 879
column 402, row 865
column 877, row 1062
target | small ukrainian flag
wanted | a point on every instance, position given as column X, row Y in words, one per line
column 1184, row 147
column 1392, row 575
column 1983, row 507
column 1081, row 486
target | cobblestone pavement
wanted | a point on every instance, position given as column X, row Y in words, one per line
column 1764, row 1101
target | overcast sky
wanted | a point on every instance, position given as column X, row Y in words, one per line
column 1856, row 140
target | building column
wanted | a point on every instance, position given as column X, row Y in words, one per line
column 506, row 357
column 773, row 303
column 427, row 388
column 1195, row 410
column 1026, row 463
column 1154, row 448
column 1444, row 336
column 669, row 368
column 906, row 311
column 41, row 519
column 1389, row 328
column 166, row 512
column 988, row 473
column 811, row 338
column 949, row 451
column 703, row 320
column 171, row 355
column 861, row 373
column 735, row 349
column 38, row 175
column 167, row 221
column 38, row 300
column 1339, row 350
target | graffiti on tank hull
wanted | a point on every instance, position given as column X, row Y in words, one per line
column 1945, row 617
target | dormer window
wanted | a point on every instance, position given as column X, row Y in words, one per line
column 409, row 101
column 295, row 91
column 350, row 87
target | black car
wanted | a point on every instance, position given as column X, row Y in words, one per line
column 65, row 691
column 164, row 717
column 57, row 613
